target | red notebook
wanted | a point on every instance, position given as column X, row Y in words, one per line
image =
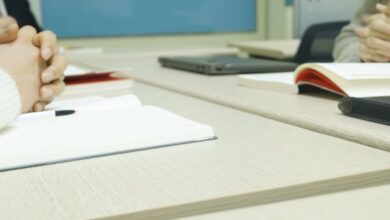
column 91, row 78
column 80, row 75
column 86, row 81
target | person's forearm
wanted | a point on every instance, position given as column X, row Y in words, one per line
column 347, row 46
column 10, row 103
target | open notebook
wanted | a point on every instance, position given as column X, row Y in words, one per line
column 98, row 128
column 345, row 79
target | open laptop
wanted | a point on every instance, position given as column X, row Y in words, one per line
column 317, row 46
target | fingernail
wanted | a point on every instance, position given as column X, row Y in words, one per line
column 47, row 93
column 48, row 76
column 46, row 53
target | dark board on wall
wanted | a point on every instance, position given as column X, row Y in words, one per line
column 71, row 18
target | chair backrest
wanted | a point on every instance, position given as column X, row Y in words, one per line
column 318, row 42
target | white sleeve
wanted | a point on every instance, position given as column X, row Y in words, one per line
column 10, row 103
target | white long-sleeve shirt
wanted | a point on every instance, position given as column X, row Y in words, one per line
column 10, row 103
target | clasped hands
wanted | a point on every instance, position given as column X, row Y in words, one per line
column 375, row 36
column 32, row 60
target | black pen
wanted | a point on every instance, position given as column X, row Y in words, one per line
column 59, row 113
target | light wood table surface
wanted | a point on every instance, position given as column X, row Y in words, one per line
column 254, row 161
column 363, row 204
column 314, row 112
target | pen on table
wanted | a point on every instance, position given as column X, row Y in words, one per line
column 47, row 114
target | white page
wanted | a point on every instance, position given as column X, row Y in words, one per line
column 91, row 104
column 125, row 102
column 78, row 136
column 62, row 104
column 284, row 77
column 73, row 70
column 277, row 82
column 359, row 71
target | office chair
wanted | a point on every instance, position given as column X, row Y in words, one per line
column 318, row 42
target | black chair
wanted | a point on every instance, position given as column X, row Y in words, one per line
column 318, row 42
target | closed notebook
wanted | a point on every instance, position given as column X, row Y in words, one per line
column 275, row 49
column 125, row 84
column 81, row 80
column 100, row 128
column 82, row 71
column 375, row 109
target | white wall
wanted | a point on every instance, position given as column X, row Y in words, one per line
column 280, row 20
column 308, row 12
column 287, row 22
column 36, row 8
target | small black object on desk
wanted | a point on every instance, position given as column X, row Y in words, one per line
column 375, row 109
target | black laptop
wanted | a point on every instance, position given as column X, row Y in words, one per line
column 222, row 65
column 317, row 46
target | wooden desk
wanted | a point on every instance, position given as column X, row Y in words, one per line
column 311, row 112
column 370, row 203
column 254, row 161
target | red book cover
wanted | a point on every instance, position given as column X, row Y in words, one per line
column 312, row 77
column 90, row 78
